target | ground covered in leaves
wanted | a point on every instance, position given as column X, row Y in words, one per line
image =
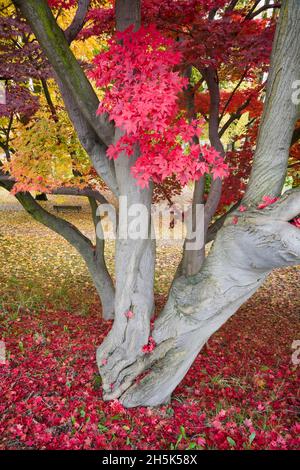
column 241, row 393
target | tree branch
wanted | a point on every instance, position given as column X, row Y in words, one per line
column 90, row 141
column 58, row 225
column 78, row 21
column 234, row 116
column 193, row 259
column 272, row 150
column 231, row 6
column 66, row 191
column 94, row 258
column 218, row 224
column 233, row 93
column 49, row 99
column 296, row 136
column 214, row 196
column 253, row 14
column 87, row 192
column 256, row 2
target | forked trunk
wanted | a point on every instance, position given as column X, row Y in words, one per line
column 247, row 248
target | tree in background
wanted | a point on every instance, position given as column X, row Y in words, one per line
column 172, row 77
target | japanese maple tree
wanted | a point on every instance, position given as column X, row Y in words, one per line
column 175, row 78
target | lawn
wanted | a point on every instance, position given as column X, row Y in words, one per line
column 241, row 393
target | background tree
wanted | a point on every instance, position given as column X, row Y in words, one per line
column 212, row 47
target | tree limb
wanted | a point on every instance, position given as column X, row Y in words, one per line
column 49, row 99
column 253, row 14
column 296, row 136
column 231, row 6
column 234, row 116
column 78, row 21
column 233, row 93
column 214, row 196
column 87, row 192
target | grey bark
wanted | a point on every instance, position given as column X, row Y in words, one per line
column 135, row 263
column 193, row 259
column 134, row 259
column 241, row 258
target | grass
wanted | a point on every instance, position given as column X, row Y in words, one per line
column 50, row 320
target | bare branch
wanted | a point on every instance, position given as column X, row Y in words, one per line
column 233, row 93
column 49, row 99
column 87, row 192
column 253, row 14
column 218, row 224
column 214, row 196
column 253, row 8
column 234, row 116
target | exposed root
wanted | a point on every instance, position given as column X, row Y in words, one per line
column 128, row 375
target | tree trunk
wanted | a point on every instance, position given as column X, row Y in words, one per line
column 134, row 258
column 249, row 245
column 242, row 256
column 135, row 264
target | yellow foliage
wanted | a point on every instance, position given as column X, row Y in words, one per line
column 48, row 152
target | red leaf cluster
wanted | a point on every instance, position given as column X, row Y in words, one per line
column 141, row 88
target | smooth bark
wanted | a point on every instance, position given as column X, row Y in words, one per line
column 134, row 258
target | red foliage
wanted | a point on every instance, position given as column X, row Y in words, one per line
column 150, row 346
column 267, row 201
column 141, row 96
column 241, row 386
column 237, row 47
column 66, row 4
